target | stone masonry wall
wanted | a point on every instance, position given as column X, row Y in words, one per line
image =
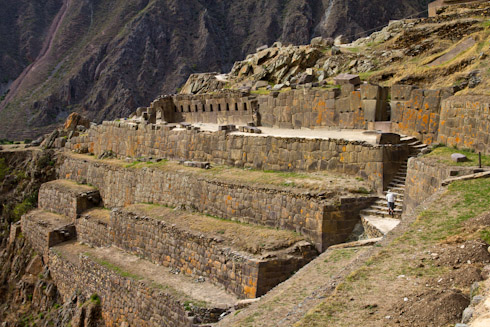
column 416, row 112
column 194, row 253
column 215, row 108
column 268, row 153
column 299, row 108
column 297, row 211
column 43, row 232
column 424, row 178
column 56, row 197
column 123, row 299
column 465, row 122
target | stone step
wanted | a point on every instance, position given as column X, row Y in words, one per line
column 384, row 203
column 67, row 197
column 152, row 293
column 378, row 227
column 382, row 213
column 394, row 185
column 247, row 260
column 45, row 229
column 385, row 208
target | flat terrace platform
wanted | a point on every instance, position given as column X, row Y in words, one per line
column 335, row 185
column 253, row 239
column 320, row 133
column 183, row 287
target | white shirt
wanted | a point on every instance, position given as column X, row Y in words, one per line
column 390, row 197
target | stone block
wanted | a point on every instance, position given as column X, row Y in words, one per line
column 388, row 138
column 458, row 157
column 370, row 92
column 347, row 79
column 369, row 107
column 401, row 92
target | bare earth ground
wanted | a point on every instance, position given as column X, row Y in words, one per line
column 421, row 277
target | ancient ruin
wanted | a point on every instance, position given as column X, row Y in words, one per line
column 205, row 201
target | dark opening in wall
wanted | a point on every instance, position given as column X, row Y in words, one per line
column 175, row 108
column 181, row 108
column 227, row 107
column 203, row 107
column 210, row 107
column 189, row 108
column 219, row 106
column 196, row 108
column 245, row 106
column 236, row 106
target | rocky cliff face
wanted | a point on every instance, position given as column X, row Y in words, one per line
column 105, row 58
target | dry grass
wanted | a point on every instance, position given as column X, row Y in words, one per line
column 251, row 238
column 368, row 295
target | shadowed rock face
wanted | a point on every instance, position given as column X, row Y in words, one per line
column 109, row 57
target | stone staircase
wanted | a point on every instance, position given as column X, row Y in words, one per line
column 376, row 220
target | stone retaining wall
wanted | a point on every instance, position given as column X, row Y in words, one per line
column 268, row 153
column 465, row 122
column 416, row 112
column 123, row 299
column 424, row 178
column 44, row 233
column 307, row 214
column 55, row 197
column 195, row 253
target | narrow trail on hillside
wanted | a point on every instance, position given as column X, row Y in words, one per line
column 43, row 54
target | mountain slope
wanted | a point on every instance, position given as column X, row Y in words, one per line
column 108, row 57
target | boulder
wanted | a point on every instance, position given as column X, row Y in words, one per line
column 458, row 157
column 321, row 42
column 265, row 46
column 277, row 87
column 74, row 120
column 335, row 51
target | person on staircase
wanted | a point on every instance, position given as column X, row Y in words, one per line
column 390, row 197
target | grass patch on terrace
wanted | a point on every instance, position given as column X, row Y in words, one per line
column 251, row 238
column 118, row 270
column 334, row 184
column 443, row 155
column 404, row 267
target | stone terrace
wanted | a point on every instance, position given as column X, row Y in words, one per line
column 324, row 216
column 67, row 197
column 45, row 229
column 248, row 260
column 133, row 290
column 376, row 163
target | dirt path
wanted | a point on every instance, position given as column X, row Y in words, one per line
column 43, row 54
